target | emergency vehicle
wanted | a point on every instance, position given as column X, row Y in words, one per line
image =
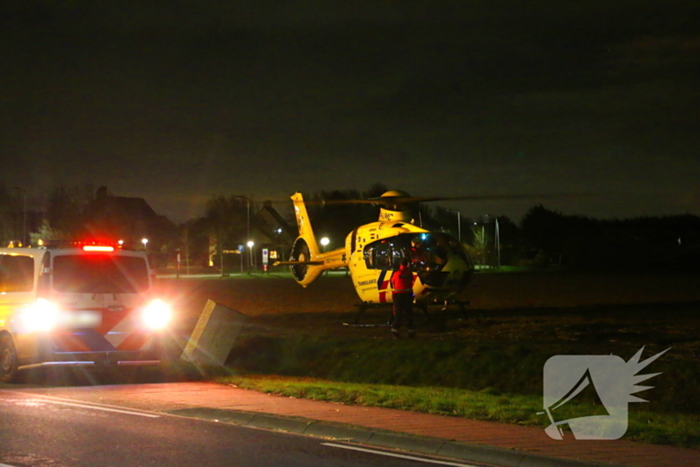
column 91, row 305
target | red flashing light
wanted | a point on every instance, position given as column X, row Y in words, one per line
column 98, row 248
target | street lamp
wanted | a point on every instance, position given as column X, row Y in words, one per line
column 498, row 245
column 459, row 224
column 325, row 242
column 145, row 244
column 250, row 248
column 24, row 214
column 247, row 233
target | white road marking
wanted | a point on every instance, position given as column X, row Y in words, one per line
column 103, row 408
column 97, row 407
column 5, row 465
column 400, row 456
column 74, row 403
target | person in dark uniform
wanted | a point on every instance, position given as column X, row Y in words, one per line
column 402, row 283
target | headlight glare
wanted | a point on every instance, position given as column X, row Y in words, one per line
column 157, row 314
column 40, row 316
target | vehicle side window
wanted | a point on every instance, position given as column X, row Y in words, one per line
column 16, row 273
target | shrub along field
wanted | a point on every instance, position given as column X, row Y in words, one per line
column 487, row 363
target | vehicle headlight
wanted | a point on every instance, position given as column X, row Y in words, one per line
column 157, row 314
column 40, row 316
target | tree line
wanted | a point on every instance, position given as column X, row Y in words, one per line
column 543, row 238
column 645, row 243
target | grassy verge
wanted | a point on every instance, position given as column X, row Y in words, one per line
column 486, row 367
column 488, row 404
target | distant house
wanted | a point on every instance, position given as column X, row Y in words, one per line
column 129, row 219
column 272, row 238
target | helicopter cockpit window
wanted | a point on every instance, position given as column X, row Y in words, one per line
column 384, row 254
column 428, row 252
column 431, row 251
column 425, row 251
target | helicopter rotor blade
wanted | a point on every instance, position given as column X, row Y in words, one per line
column 426, row 199
column 401, row 200
column 396, row 202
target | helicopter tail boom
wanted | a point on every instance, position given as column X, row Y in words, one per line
column 307, row 262
column 304, row 223
column 298, row 263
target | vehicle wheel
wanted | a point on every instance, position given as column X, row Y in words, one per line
column 8, row 360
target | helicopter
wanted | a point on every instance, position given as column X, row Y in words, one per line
column 440, row 264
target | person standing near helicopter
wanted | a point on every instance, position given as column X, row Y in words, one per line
column 402, row 284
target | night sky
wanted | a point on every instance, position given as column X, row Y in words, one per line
column 176, row 101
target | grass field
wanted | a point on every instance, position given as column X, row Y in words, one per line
column 485, row 364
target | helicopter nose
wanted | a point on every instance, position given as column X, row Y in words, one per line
column 434, row 279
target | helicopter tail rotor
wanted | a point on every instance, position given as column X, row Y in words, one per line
column 303, row 268
column 304, row 260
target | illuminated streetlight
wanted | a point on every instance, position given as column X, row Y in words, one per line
column 250, row 244
column 325, row 242
column 145, row 244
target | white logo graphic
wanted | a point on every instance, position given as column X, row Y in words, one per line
column 607, row 380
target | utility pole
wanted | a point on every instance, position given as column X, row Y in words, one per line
column 247, row 232
column 459, row 224
column 23, row 240
column 247, row 200
column 187, row 250
column 498, row 245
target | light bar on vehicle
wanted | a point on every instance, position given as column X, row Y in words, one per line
column 97, row 248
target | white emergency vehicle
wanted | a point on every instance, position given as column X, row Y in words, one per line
column 91, row 305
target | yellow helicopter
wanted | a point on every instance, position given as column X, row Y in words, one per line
column 441, row 266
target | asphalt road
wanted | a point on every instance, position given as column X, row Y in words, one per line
column 38, row 431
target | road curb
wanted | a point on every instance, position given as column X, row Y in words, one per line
column 383, row 438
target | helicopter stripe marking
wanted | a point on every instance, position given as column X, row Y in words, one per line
column 383, row 285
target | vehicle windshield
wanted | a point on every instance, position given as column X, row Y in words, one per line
column 425, row 251
column 100, row 274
